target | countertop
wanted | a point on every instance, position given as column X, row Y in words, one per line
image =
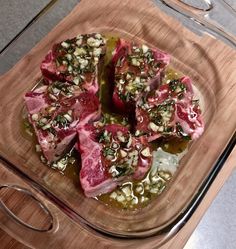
column 217, row 228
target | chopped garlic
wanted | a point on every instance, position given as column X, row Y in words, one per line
column 68, row 117
column 98, row 36
column 123, row 153
column 53, row 97
column 145, row 48
column 126, row 190
column 128, row 76
column 79, row 51
column 113, row 195
column 83, row 63
column 139, row 189
column 120, row 198
column 52, row 109
column 56, row 90
column 61, row 166
column 155, row 179
column 153, row 127
column 121, row 138
column 137, row 80
column 43, row 120
column 69, row 57
column 143, row 199
column 47, row 126
column 147, row 89
column 70, row 68
column 121, row 81
column 38, row 148
column 79, row 37
column 97, row 52
column 114, row 145
column 135, row 200
column 35, row 117
column 154, row 190
column 147, row 187
column 65, row 45
column 135, row 62
column 76, row 80
column 79, row 41
column 93, row 42
column 146, row 152
column 129, row 142
column 113, row 171
column 137, row 133
column 43, row 159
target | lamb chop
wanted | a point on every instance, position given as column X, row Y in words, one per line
column 169, row 111
column 55, row 122
column 110, row 156
column 137, row 70
column 75, row 61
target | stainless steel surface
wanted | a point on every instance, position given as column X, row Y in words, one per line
column 14, row 16
column 217, row 228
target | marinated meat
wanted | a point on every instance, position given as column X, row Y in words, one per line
column 169, row 111
column 65, row 111
column 75, row 61
column 55, row 123
column 36, row 100
column 109, row 157
column 137, row 70
column 51, row 95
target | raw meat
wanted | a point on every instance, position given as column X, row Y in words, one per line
column 45, row 96
column 55, row 123
column 109, row 157
column 75, row 61
column 169, row 111
column 137, row 70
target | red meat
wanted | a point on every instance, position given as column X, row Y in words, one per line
column 137, row 70
column 110, row 156
column 75, row 61
column 55, row 123
column 169, row 111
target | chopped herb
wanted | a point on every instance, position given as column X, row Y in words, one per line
column 61, row 121
column 173, row 85
column 124, row 169
column 104, row 137
column 108, row 152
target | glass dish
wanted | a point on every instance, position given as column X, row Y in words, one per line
column 209, row 62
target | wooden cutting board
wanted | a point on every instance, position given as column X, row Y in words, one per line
column 20, row 78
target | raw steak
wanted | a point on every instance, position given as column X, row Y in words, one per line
column 76, row 61
column 51, row 95
column 109, row 157
column 55, row 122
column 137, row 70
column 169, row 111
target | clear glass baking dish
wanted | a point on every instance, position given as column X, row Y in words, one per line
column 208, row 61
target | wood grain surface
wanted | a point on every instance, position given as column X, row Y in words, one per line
column 177, row 242
column 210, row 64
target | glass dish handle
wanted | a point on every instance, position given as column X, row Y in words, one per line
column 203, row 15
column 22, row 231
